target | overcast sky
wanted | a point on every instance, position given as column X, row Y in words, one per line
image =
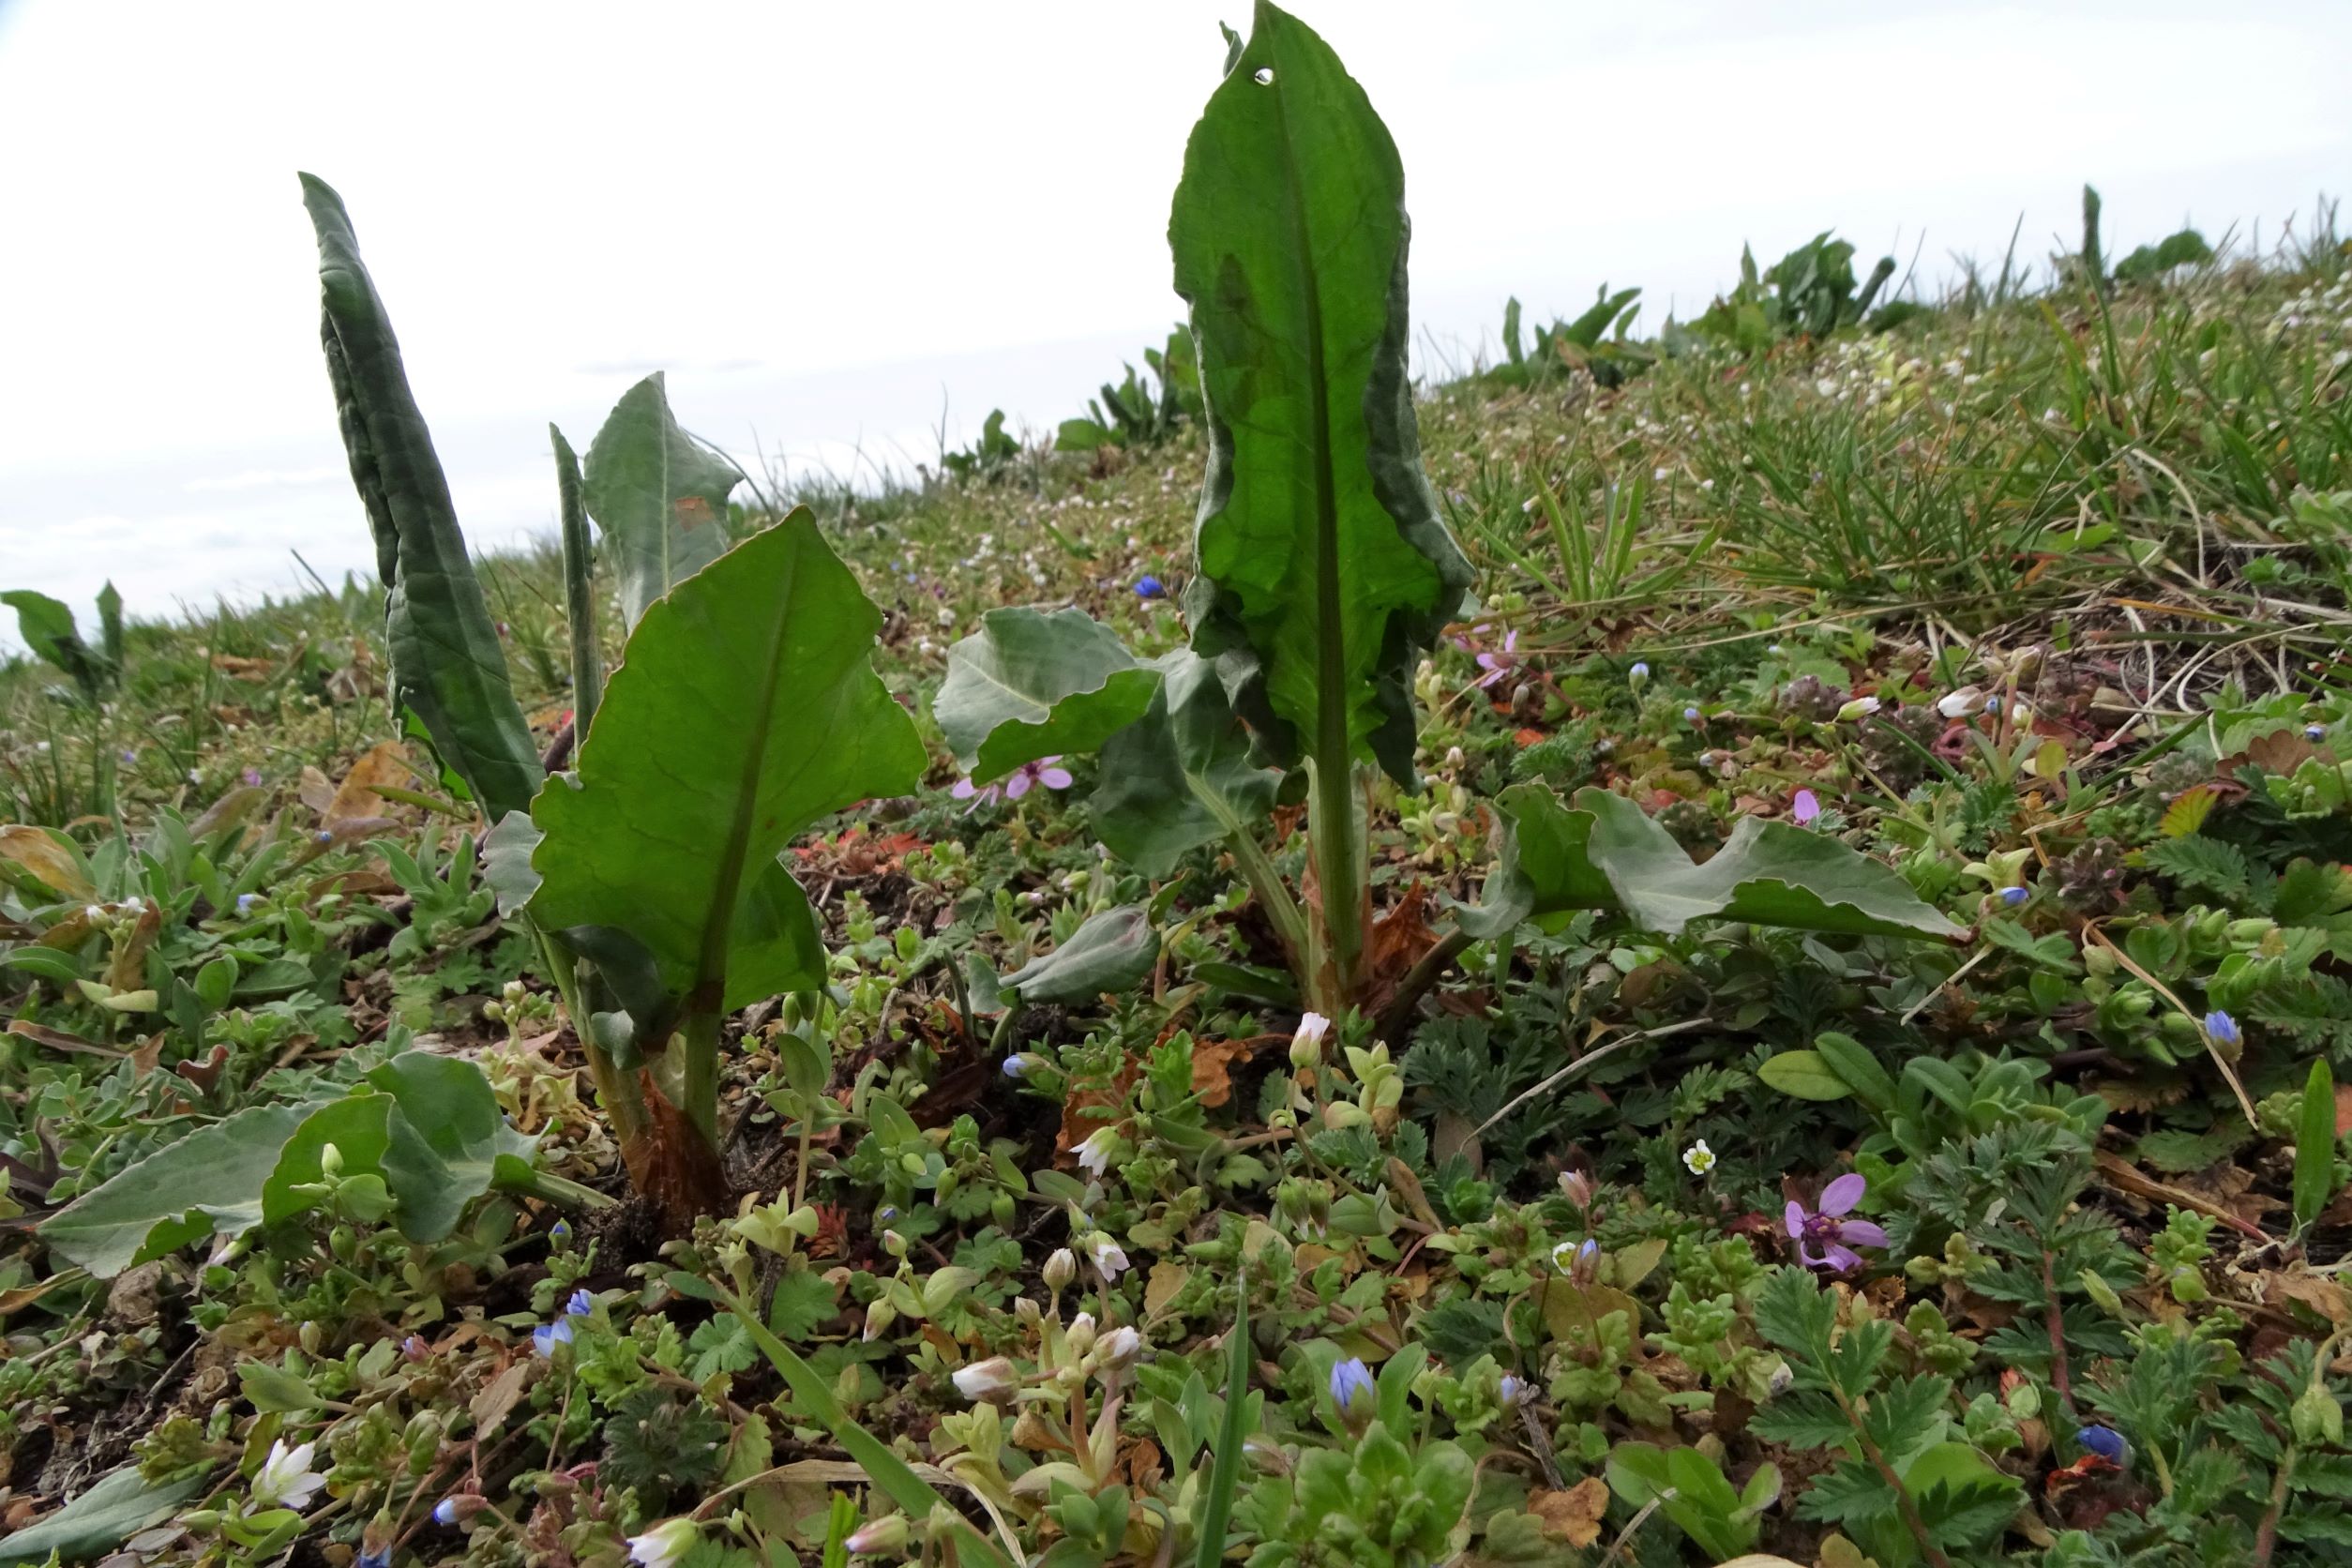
column 828, row 222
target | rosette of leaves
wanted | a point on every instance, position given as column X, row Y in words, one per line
column 662, row 1445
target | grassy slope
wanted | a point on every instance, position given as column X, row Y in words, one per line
column 2103, row 508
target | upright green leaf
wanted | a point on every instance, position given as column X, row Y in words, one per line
column 658, row 495
column 580, row 588
column 1324, row 568
column 446, row 664
column 1603, row 853
column 46, row 627
column 1225, row 1464
column 1032, row 684
column 109, row 609
column 746, row 709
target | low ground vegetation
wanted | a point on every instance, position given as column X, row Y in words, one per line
column 1816, row 1036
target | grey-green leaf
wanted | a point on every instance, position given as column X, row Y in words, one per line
column 1032, row 684
column 449, row 1142
column 1324, row 568
column 116, row 1507
column 208, row 1181
column 1603, row 853
column 1111, row 951
column 658, row 496
column 446, row 664
column 1182, row 776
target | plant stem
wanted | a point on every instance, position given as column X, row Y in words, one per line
column 1903, row 1504
column 1266, row 885
column 565, row 1191
column 697, row 1036
column 1418, row 979
column 2060, row 1379
column 1335, row 846
column 617, row 1091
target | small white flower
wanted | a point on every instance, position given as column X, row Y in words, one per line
column 1961, row 704
column 663, row 1544
column 1119, row 1347
column 1094, row 1155
column 1861, row 707
column 1312, row 1026
column 285, row 1479
column 1109, row 1258
column 1698, row 1159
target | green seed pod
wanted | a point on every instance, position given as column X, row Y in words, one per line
column 2318, row 1417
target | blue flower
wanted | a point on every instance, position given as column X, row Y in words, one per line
column 1641, row 668
column 380, row 1558
column 246, row 902
column 1149, row 587
column 559, row 1233
column 1513, row 1389
column 1021, row 1063
column 582, row 1304
column 2222, row 1029
column 1349, row 1379
column 1691, row 715
column 2013, row 897
column 547, row 1335
column 446, row 1510
column 2314, row 731
column 2105, row 1442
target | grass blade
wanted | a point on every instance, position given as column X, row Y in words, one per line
column 2315, row 1146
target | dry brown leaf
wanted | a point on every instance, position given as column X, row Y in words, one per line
column 49, row 861
column 316, row 791
column 2317, row 1291
column 491, row 1405
column 385, row 763
column 1160, row 1288
column 57, row 1039
column 1573, row 1516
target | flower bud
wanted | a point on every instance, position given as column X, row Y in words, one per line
column 1861, row 707
column 882, row 1535
column 1028, row 1311
column 879, row 1314
column 992, row 1381
column 1080, row 1336
column 1578, row 1186
column 330, row 1160
column 1060, row 1268
column 1122, row 1346
column 1306, row 1044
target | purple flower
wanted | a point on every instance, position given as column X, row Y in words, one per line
column 2222, row 1029
column 1045, row 770
column 547, row 1335
column 1692, row 715
column 1512, row 1390
column 2013, row 897
column 1499, row 664
column 1149, row 587
column 2105, row 1442
column 1805, row 808
column 1349, row 1381
column 1827, row 1240
column 253, row 778
column 2314, row 731
column 414, row 1349
column 581, row 1305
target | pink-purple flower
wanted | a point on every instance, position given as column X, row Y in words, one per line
column 1500, row 663
column 1827, row 1238
column 1805, row 808
column 1045, row 770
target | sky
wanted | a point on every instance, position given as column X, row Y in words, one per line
column 844, row 231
